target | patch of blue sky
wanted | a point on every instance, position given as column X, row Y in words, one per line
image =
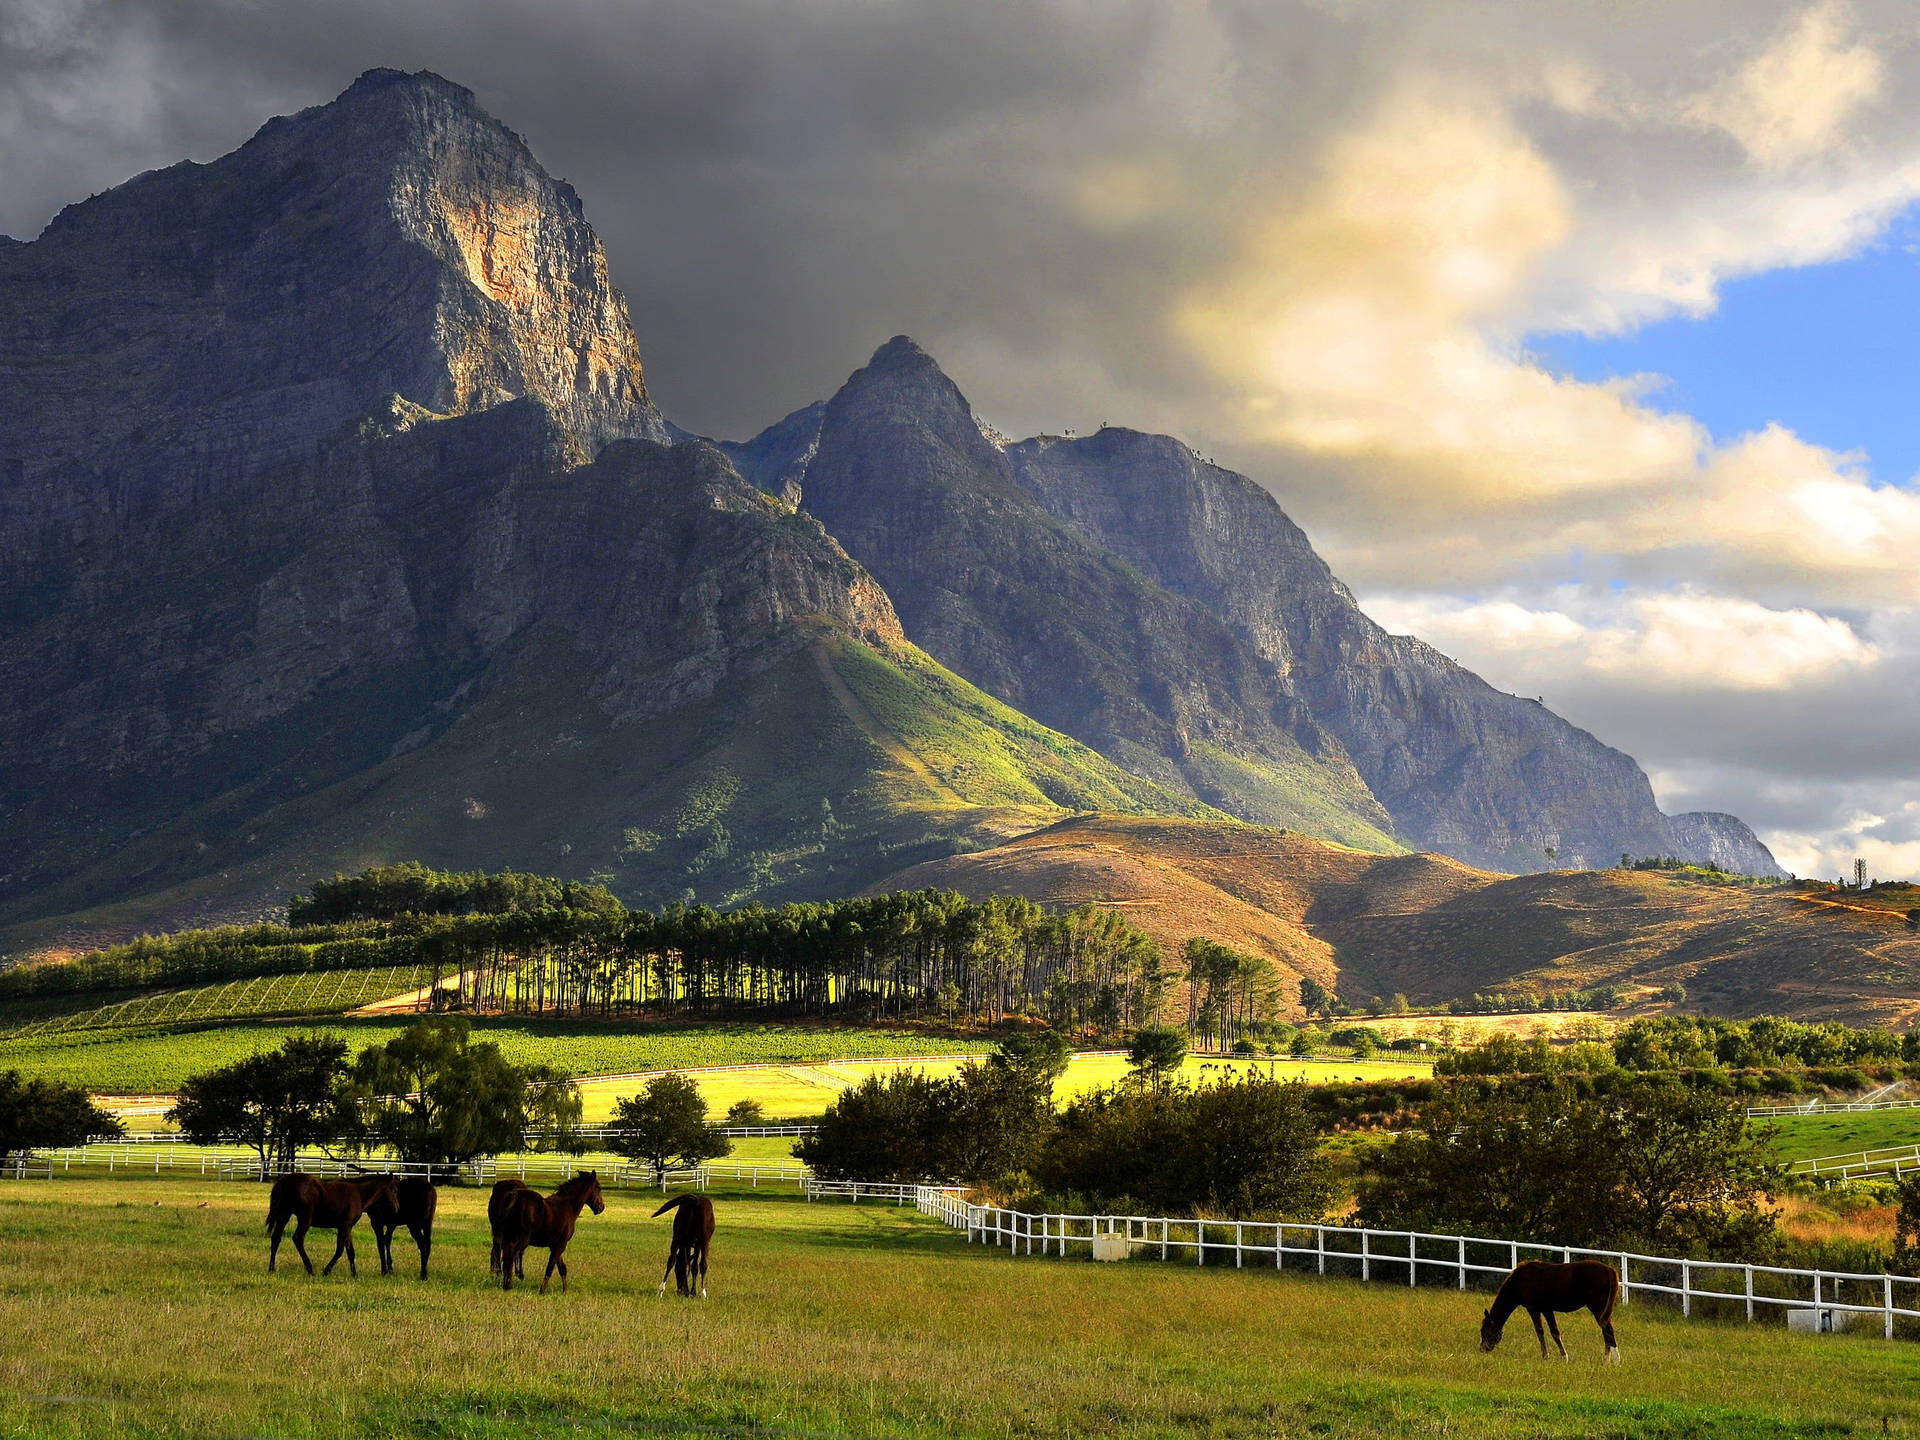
column 1832, row 352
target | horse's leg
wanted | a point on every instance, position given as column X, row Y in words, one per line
column 274, row 1232
column 1604, row 1314
column 351, row 1269
column 671, row 1251
column 423, row 1237
column 560, row 1259
column 553, row 1259
column 1539, row 1334
column 509, row 1254
column 339, row 1249
column 1554, row 1326
column 300, row 1243
column 702, row 1255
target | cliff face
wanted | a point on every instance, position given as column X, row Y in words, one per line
column 1456, row 765
column 993, row 586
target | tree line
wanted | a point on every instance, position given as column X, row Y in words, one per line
column 528, row 945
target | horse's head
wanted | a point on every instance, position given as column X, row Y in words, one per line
column 593, row 1192
column 1489, row 1331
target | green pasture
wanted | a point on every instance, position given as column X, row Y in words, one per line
column 1802, row 1137
column 313, row 992
column 143, row 1308
column 155, row 1061
column 805, row 1090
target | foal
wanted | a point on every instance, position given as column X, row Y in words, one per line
column 1541, row 1288
column 692, row 1234
column 413, row 1205
column 498, row 1204
column 331, row 1204
column 546, row 1220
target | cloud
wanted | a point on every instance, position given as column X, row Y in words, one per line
column 1684, row 641
column 1794, row 100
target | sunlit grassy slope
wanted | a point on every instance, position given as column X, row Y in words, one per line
column 133, row 1311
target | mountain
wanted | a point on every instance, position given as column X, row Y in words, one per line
column 337, row 526
column 1168, row 613
column 1433, row 929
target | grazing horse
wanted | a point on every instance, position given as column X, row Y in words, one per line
column 413, row 1204
column 529, row 1218
column 497, row 1207
column 331, row 1204
column 692, row 1235
column 1541, row 1288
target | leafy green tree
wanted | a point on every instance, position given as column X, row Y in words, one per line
column 439, row 1097
column 276, row 1101
column 1315, row 998
column 884, row 1128
column 1156, row 1054
column 1239, row 1148
column 746, row 1111
column 666, row 1123
column 48, row 1114
column 1656, row 1166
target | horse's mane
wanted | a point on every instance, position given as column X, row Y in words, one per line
column 579, row 1183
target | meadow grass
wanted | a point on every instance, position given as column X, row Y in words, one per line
column 1801, row 1137
column 155, row 1061
column 805, row 1090
column 143, row 1308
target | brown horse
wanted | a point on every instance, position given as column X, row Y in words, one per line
column 1541, row 1288
column 331, row 1204
column 546, row 1220
column 413, row 1205
column 497, row 1207
column 692, row 1235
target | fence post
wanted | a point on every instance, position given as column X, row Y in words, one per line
column 1686, row 1287
column 1413, row 1259
column 1626, row 1286
column 1279, row 1245
column 1366, row 1255
column 1239, row 1236
column 1199, row 1242
column 1816, row 1300
column 1749, row 1270
column 1163, row 1239
column 1887, row 1302
column 1320, row 1235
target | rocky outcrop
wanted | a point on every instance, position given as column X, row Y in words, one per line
column 1457, row 766
column 999, row 590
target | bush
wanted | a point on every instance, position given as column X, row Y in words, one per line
column 46, row 1114
column 1239, row 1148
column 1654, row 1165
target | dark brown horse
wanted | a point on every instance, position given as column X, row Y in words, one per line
column 331, row 1204
column 497, row 1206
column 413, row 1205
column 529, row 1219
column 692, row 1235
column 1541, row 1288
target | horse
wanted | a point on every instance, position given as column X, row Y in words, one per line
column 413, row 1204
column 497, row 1205
column 529, row 1218
column 692, row 1235
column 1541, row 1288
column 331, row 1204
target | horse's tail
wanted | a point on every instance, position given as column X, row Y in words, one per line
column 674, row 1203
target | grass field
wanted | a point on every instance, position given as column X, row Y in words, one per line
column 315, row 992
column 1801, row 1137
column 143, row 1308
column 796, row 1090
column 155, row 1061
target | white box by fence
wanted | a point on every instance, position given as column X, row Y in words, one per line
column 1820, row 1322
column 1110, row 1246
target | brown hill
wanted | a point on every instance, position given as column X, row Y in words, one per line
column 1434, row 929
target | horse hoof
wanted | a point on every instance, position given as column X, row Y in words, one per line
column 662, row 1290
column 703, row 1292
column 1613, row 1355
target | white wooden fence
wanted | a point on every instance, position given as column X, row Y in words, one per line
column 1830, row 1107
column 1893, row 1160
column 1706, row 1287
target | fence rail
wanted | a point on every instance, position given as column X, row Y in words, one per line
column 1411, row 1258
column 1894, row 1160
column 1829, row 1107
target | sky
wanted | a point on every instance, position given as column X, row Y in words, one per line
column 1577, row 337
